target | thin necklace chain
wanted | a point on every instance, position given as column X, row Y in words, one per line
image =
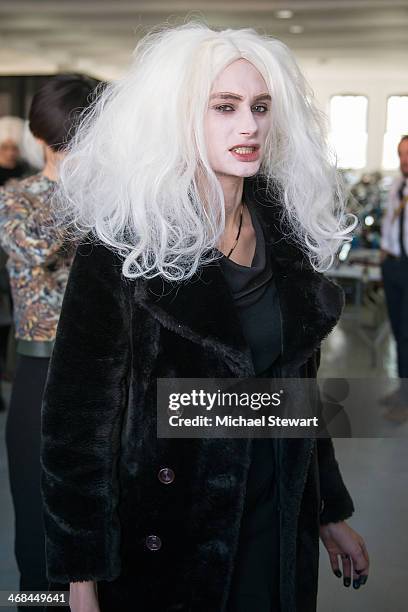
column 239, row 231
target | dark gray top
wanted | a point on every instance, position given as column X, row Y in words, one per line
column 256, row 299
column 255, row 583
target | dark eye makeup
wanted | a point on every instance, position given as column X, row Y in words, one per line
column 226, row 108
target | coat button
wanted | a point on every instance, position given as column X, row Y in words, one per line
column 166, row 475
column 153, row 542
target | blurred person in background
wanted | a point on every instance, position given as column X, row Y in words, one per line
column 38, row 263
column 32, row 151
column 5, row 321
column 394, row 258
column 11, row 166
column 11, row 134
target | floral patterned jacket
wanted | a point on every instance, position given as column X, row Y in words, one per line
column 38, row 260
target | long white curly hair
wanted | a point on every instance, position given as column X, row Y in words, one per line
column 131, row 172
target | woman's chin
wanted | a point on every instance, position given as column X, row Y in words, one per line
column 244, row 171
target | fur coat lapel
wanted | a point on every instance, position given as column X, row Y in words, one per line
column 202, row 309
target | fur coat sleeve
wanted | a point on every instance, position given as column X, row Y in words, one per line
column 336, row 502
column 84, row 402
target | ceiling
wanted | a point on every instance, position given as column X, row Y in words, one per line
column 97, row 36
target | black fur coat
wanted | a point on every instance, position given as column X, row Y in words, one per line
column 102, row 486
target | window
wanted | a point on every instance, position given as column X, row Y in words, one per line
column 397, row 125
column 348, row 130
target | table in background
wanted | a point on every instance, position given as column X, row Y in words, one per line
column 362, row 269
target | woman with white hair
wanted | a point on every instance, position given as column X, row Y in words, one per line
column 208, row 206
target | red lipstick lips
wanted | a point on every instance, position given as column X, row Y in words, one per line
column 245, row 152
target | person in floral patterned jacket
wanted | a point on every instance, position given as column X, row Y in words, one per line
column 38, row 264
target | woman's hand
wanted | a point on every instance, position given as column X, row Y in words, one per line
column 341, row 539
column 83, row 597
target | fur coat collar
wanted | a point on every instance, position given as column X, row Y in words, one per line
column 202, row 310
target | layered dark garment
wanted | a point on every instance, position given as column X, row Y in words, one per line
column 255, row 582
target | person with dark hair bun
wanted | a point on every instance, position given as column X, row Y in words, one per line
column 56, row 107
column 38, row 264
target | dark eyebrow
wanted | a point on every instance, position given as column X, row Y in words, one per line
column 225, row 95
column 264, row 96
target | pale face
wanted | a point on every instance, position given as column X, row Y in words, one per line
column 237, row 120
column 403, row 155
column 9, row 153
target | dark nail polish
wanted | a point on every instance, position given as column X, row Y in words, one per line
column 347, row 582
column 337, row 573
column 356, row 584
column 363, row 579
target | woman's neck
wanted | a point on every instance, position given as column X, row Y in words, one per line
column 52, row 161
column 232, row 188
column 243, row 251
column 50, row 172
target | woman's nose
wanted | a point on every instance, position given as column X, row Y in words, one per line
column 248, row 124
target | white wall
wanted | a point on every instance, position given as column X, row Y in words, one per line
column 373, row 80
